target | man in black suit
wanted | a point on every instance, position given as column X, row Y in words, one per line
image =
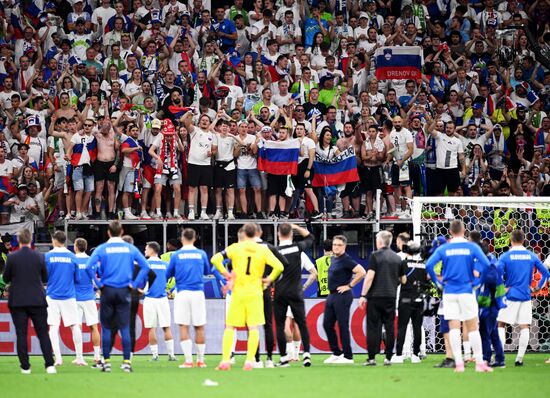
column 26, row 273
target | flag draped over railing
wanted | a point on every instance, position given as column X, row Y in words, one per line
column 398, row 63
column 279, row 157
column 338, row 170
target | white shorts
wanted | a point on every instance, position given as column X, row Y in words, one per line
column 190, row 308
column 62, row 309
column 460, row 307
column 88, row 310
column 516, row 313
column 156, row 312
column 289, row 313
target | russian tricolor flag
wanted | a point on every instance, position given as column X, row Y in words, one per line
column 398, row 63
column 6, row 187
column 279, row 157
column 336, row 171
column 134, row 156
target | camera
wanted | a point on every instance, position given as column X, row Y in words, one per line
column 423, row 248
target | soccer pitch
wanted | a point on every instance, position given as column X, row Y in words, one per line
column 165, row 379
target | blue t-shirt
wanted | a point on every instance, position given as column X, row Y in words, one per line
column 84, row 287
column 458, row 259
column 114, row 261
column 518, row 265
column 158, row 288
column 188, row 265
column 227, row 27
column 63, row 272
column 311, row 27
column 340, row 271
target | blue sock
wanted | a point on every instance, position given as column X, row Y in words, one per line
column 106, row 341
column 126, row 342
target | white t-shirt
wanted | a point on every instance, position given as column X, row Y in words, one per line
column 6, row 168
column 246, row 159
column 225, row 150
column 201, row 144
column 281, row 100
column 307, row 144
column 400, row 140
column 447, row 150
column 59, row 155
column 5, row 98
column 37, row 147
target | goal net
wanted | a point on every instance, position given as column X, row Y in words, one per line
column 495, row 218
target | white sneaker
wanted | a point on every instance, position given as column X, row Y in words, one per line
column 51, row 370
column 68, row 216
column 144, row 215
column 397, row 359
column 344, row 361
column 129, row 216
column 204, row 216
column 415, row 359
column 217, row 216
column 79, row 216
column 79, row 362
column 269, row 364
column 168, row 215
column 405, row 215
column 332, row 358
column 258, row 365
column 230, row 216
column 26, row 371
column 191, row 215
column 156, row 216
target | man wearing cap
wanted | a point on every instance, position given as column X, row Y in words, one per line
column 78, row 14
column 23, row 206
column 37, row 145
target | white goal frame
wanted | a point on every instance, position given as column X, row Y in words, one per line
column 492, row 201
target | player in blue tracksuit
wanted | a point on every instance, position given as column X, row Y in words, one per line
column 85, row 298
column 116, row 266
column 63, row 272
column 156, row 309
column 491, row 298
column 460, row 274
column 518, row 265
column 188, row 265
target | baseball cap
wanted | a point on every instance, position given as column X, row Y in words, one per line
column 477, row 105
column 266, row 129
column 363, row 15
column 22, row 186
column 156, row 124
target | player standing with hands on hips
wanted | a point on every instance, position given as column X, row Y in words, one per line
column 460, row 274
column 114, row 261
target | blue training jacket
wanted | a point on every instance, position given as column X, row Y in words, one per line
column 518, row 265
column 114, row 261
column 158, row 287
column 189, row 265
column 458, row 258
column 63, row 272
column 85, row 286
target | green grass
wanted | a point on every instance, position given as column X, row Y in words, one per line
column 165, row 379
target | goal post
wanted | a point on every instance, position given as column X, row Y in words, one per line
column 495, row 218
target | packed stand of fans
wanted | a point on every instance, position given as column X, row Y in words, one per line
column 158, row 109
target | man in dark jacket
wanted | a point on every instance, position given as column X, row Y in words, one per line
column 26, row 273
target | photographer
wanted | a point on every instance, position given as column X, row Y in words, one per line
column 411, row 301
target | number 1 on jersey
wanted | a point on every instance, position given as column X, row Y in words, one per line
column 248, row 265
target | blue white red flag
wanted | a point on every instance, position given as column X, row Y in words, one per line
column 279, row 157
column 339, row 170
column 398, row 63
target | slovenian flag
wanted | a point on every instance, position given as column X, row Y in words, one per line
column 179, row 111
column 398, row 63
column 339, row 170
column 279, row 157
column 134, row 156
column 6, row 187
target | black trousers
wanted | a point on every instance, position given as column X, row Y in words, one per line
column 268, row 326
column 380, row 311
column 39, row 317
column 413, row 311
column 134, row 306
column 296, row 304
column 337, row 309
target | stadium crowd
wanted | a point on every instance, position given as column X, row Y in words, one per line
column 145, row 110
